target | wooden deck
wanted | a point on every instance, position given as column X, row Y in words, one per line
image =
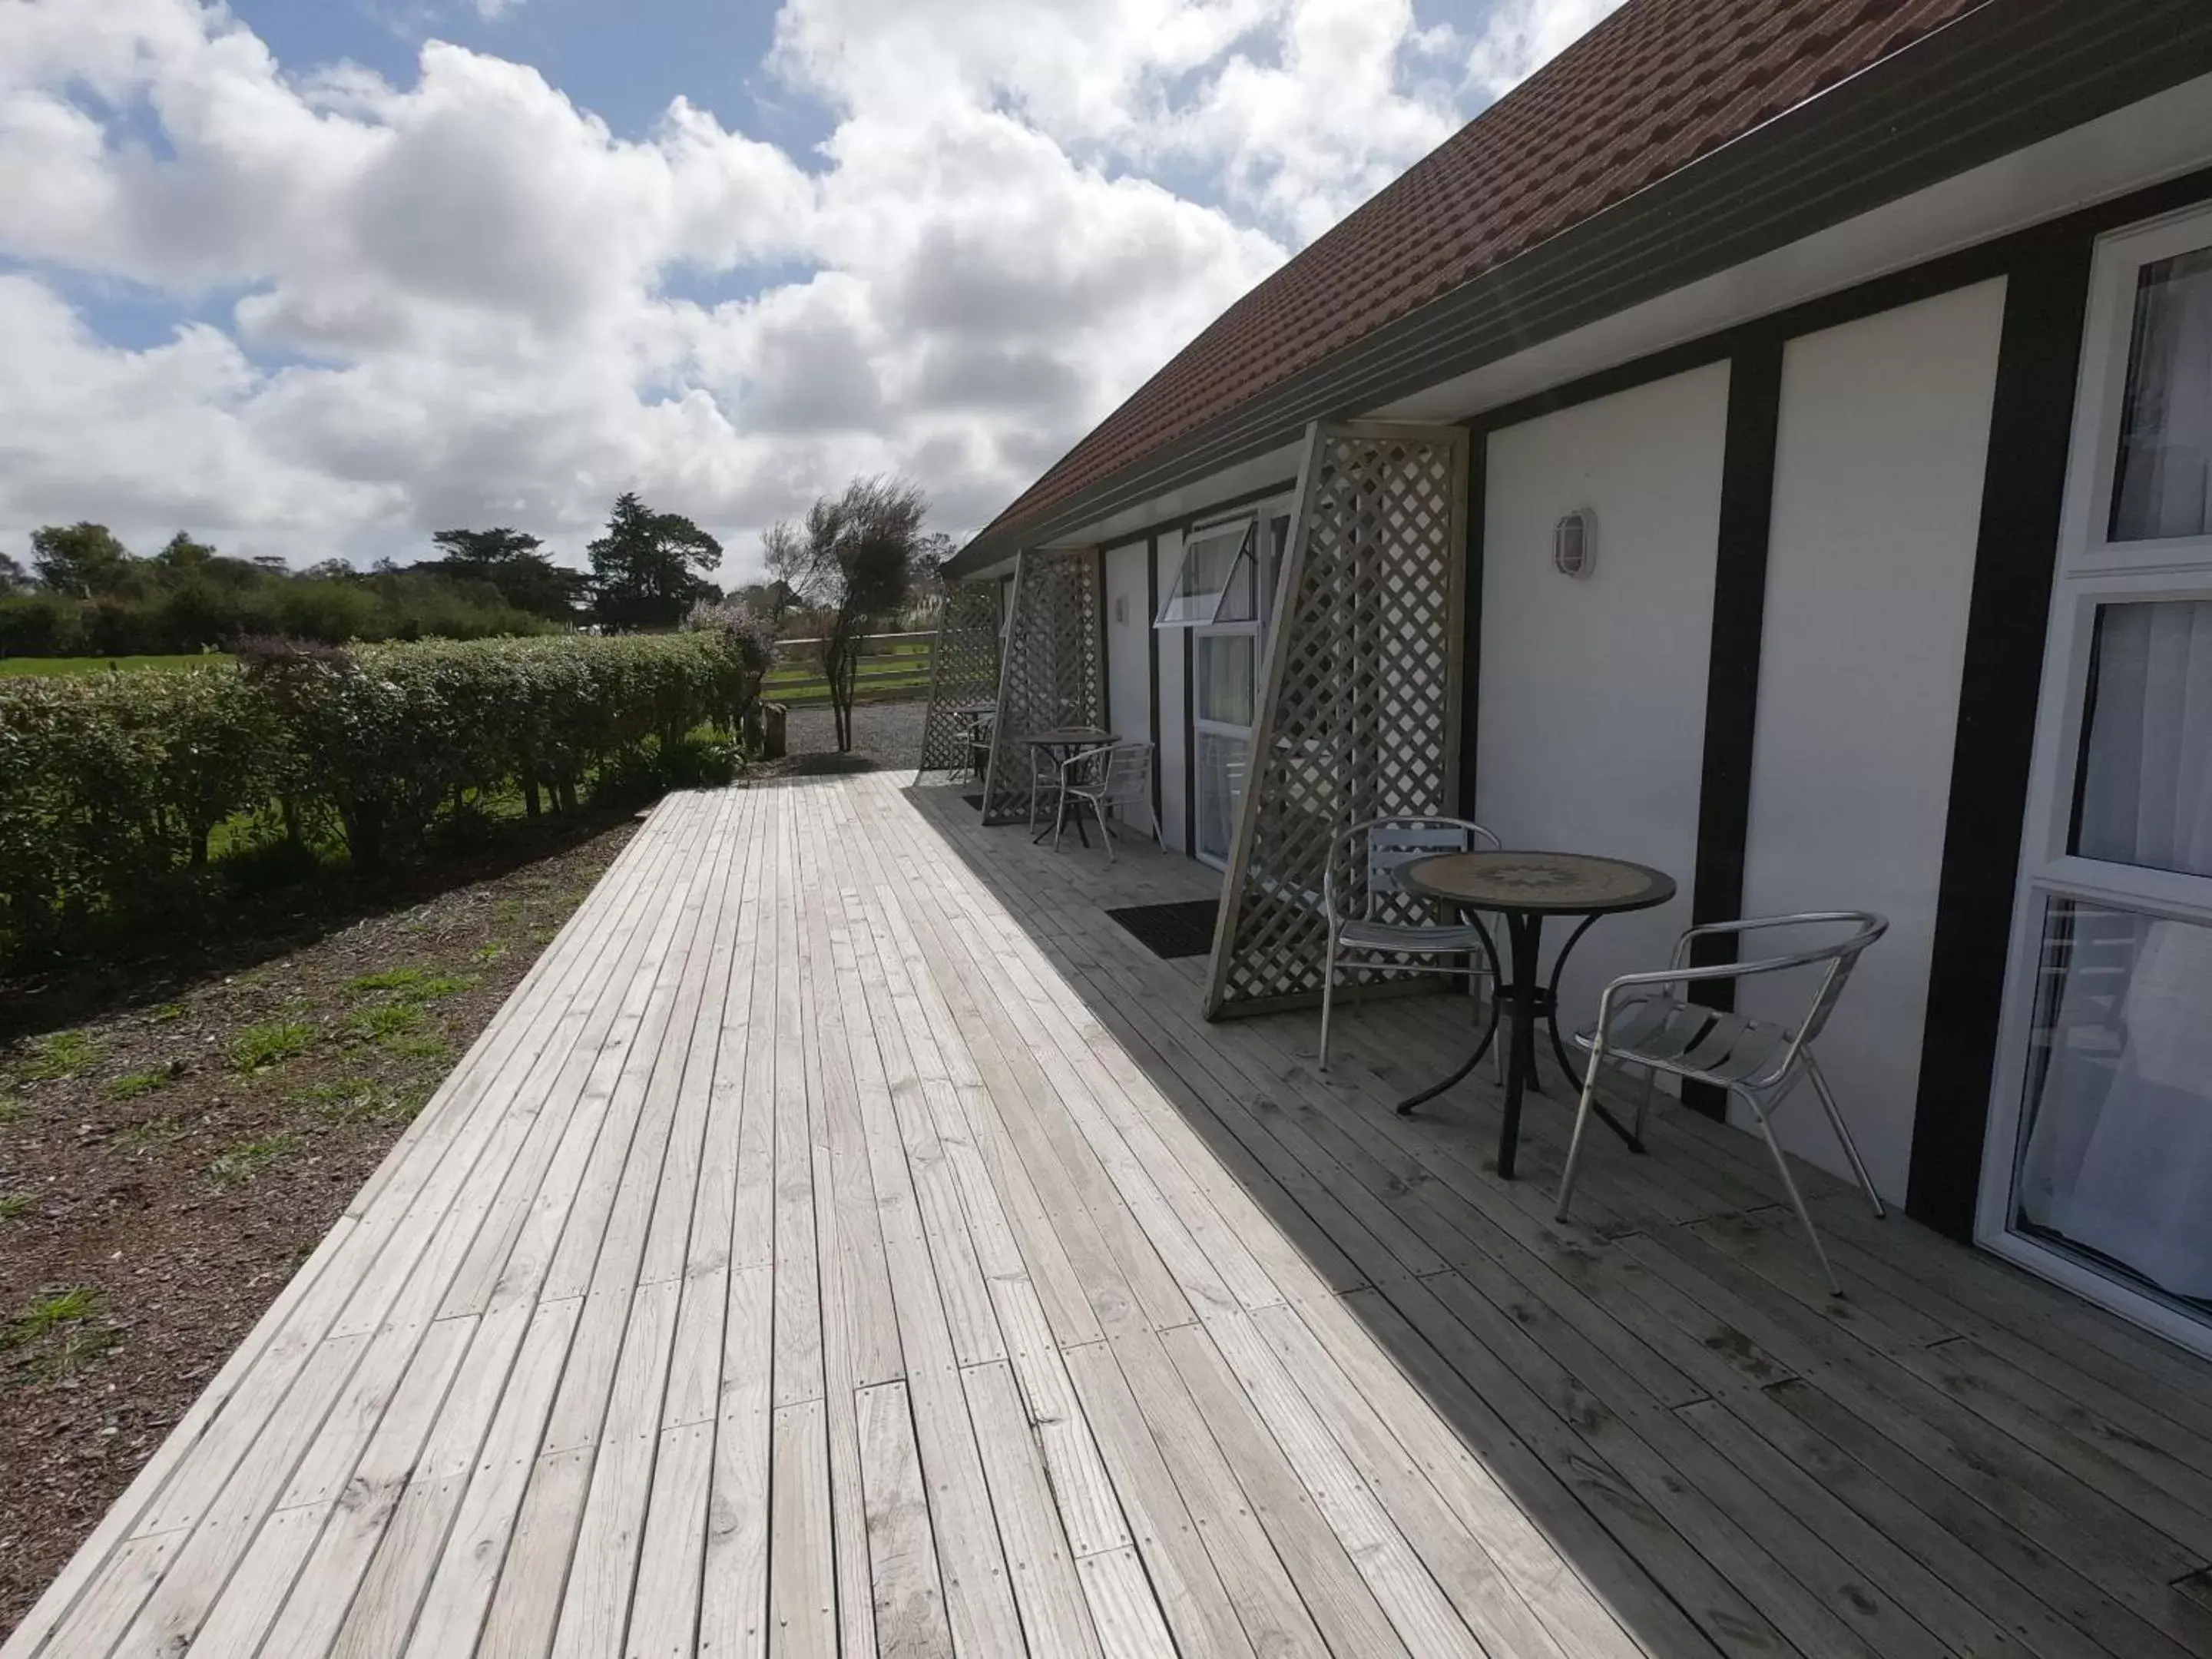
column 848, row 1239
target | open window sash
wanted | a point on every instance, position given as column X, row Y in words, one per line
column 1218, row 582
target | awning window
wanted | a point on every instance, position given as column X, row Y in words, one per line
column 1217, row 583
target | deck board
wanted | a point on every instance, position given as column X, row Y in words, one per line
column 848, row 1240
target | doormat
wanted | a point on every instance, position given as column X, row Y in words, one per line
column 1172, row 930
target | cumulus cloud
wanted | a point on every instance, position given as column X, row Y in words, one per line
column 1520, row 36
column 465, row 298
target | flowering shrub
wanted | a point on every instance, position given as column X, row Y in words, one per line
column 114, row 788
column 750, row 639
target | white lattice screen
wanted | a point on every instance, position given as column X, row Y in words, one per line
column 964, row 672
column 1360, row 714
column 1051, row 676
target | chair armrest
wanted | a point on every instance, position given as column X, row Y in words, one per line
column 1661, row 976
column 1752, row 925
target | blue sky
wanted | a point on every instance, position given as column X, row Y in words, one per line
column 318, row 277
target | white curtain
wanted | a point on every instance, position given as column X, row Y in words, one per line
column 2165, row 482
column 2119, row 1151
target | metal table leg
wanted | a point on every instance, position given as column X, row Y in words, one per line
column 1525, row 936
column 1489, row 1034
column 1558, row 1043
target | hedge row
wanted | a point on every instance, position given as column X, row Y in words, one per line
column 116, row 790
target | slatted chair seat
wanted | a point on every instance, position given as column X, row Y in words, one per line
column 1646, row 1022
column 1399, row 937
column 1708, row 1043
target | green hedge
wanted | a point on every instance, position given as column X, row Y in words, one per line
column 119, row 792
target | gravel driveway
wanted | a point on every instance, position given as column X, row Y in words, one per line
column 885, row 734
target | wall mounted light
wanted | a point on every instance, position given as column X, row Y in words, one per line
column 1574, row 544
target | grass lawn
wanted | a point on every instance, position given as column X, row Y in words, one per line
column 17, row 668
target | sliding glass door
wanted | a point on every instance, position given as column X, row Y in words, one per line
column 2099, row 1171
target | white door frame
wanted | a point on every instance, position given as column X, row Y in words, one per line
column 2092, row 570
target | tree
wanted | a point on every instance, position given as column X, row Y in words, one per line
column 184, row 557
column 644, row 569
column 510, row 561
column 80, row 560
column 12, row 574
column 852, row 562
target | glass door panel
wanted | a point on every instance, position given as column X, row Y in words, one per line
column 2115, row 1154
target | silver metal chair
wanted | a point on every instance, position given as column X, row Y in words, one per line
column 972, row 740
column 1647, row 1020
column 1108, row 780
column 1045, row 775
column 1371, row 917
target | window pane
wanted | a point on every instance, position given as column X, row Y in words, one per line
column 2163, row 484
column 1215, row 580
column 1222, row 762
column 2144, row 795
column 1224, row 677
column 2116, row 1148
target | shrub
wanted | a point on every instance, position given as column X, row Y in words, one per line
column 117, row 792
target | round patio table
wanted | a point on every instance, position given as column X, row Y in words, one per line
column 1063, row 744
column 1524, row 888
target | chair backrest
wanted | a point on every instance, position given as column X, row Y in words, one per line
column 1127, row 774
column 1854, row 931
column 1371, row 855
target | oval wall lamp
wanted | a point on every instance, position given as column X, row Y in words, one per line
column 1574, row 544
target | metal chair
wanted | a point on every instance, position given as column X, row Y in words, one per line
column 972, row 739
column 1647, row 1020
column 1108, row 780
column 1369, row 926
column 1045, row 778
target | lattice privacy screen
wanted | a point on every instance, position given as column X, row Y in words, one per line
column 964, row 672
column 1359, row 716
column 1051, row 676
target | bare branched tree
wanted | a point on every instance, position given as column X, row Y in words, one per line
column 851, row 563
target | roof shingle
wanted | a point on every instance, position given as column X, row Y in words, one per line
column 1648, row 90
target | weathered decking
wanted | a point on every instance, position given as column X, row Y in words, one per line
column 848, row 1239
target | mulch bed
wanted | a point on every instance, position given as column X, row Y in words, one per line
column 177, row 1133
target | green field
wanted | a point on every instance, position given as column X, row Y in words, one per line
column 16, row 668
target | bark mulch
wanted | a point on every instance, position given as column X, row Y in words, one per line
column 177, row 1133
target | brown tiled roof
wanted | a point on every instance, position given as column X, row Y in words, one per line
column 1648, row 90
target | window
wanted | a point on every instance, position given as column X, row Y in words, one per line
column 2164, row 481
column 2143, row 785
column 2100, row 1145
column 1217, row 583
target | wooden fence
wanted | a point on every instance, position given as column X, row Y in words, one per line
column 893, row 668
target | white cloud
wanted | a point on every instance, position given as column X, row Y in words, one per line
column 463, row 299
column 1521, row 36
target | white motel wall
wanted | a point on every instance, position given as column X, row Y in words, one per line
column 1614, row 713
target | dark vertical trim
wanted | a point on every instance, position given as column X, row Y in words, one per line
column 1470, row 644
column 1747, row 515
column 2031, row 429
column 1152, row 652
column 1189, row 748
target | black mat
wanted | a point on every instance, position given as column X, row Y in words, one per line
column 975, row 801
column 1172, row 930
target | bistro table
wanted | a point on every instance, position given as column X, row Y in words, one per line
column 1063, row 744
column 1525, row 888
